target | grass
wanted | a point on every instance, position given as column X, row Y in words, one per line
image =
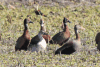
column 11, row 27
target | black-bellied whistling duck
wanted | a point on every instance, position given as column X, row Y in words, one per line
column 97, row 39
column 38, row 43
column 45, row 35
column 38, row 12
column 73, row 45
column 63, row 36
column 24, row 40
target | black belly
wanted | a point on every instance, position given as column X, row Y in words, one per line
column 67, row 51
column 24, row 47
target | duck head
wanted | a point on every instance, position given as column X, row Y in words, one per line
column 41, row 22
column 26, row 21
column 66, row 20
column 77, row 27
column 42, row 25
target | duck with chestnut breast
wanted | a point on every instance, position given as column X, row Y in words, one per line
column 73, row 45
column 97, row 39
column 38, row 12
column 24, row 40
column 38, row 43
column 45, row 35
column 61, row 37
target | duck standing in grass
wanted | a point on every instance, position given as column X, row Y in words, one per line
column 24, row 40
column 73, row 45
column 61, row 37
column 97, row 39
column 38, row 12
column 38, row 43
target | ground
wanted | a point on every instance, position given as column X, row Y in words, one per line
column 85, row 14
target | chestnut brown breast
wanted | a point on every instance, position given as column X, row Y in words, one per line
column 23, row 42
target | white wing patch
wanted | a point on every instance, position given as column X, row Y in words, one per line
column 40, row 46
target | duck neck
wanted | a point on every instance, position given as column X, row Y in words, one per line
column 25, row 29
column 26, row 26
column 77, row 35
column 40, row 35
column 66, row 29
column 42, row 28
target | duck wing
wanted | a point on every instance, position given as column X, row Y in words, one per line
column 20, row 42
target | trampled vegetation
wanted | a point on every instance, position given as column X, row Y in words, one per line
column 11, row 27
